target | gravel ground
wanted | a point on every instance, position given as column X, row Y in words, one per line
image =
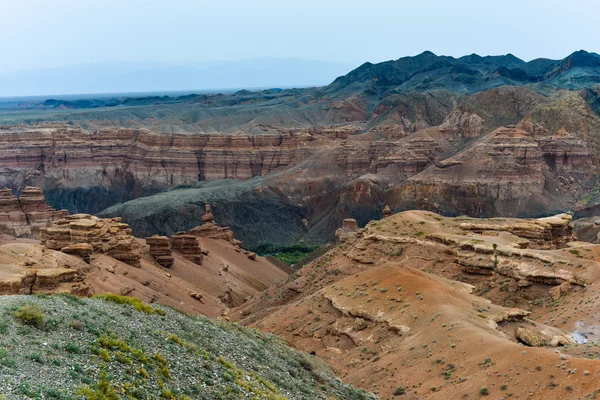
column 97, row 349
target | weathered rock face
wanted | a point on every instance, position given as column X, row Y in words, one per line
column 130, row 162
column 588, row 229
column 84, row 234
column 188, row 246
column 12, row 217
column 543, row 233
column 160, row 249
column 23, row 217
column 507, row 172
column 30, row 269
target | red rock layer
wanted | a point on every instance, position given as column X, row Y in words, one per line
column 24, row 216
column 508, row 164
column 160, row 250
column 85, row 158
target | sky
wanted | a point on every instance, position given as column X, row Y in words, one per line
column 41, row 34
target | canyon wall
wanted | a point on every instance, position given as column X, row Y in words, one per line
column 89, row 170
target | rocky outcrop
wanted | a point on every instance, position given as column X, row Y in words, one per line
column 160, row 249
column 76, row 234
column 348, row 229
column 588, row 229
column 83, row 250
column 188, row 246
column 24, row 216
column 12, row 218
column 211, row 230
column 387, row 211
column 31, row 269
column 542, row 233
column 508, row 171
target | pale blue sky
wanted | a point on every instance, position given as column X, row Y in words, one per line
column 43, row 33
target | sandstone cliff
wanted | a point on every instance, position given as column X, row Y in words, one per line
column 26, row 215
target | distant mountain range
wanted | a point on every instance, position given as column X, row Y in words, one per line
column 428, row 72
column 127, row 77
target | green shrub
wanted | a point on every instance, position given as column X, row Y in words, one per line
column 103, row 391
column 484, row 391
column 135, row 303
column 71, row 348
column 399, row 391
column 30, row 315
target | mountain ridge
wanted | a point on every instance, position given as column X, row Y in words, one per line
column 471, row 73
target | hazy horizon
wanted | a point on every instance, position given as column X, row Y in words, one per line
column 106, row 46
column 41, row 34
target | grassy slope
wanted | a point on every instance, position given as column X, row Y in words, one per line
column 97, row 349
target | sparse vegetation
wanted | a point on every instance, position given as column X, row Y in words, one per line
column 30, row 315
column 115, row 352
column 288, row 254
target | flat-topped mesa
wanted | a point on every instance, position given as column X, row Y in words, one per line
column 211, row 230
column 77, row 234
column 387, row 211
column 188, row 246
column 160, row 250
column 543, row 233
column 24, row 216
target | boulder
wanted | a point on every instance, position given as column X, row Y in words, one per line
column 529, row 337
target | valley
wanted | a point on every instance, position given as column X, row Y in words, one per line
column 422, row 228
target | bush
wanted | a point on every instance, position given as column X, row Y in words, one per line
column 30, row 315
column 484, row 391
column 76, row 324
column 136, row 303
column 399, row 391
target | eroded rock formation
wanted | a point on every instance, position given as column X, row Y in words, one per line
column 78, row 233
column 211, row 230
column 511, row 166
column 160, row 249
column 188, row 246
column 24, row 216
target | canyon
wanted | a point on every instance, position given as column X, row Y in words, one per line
column 519, row 144
column 458, row 199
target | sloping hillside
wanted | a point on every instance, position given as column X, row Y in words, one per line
column 422, row 306
column 64, row 347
